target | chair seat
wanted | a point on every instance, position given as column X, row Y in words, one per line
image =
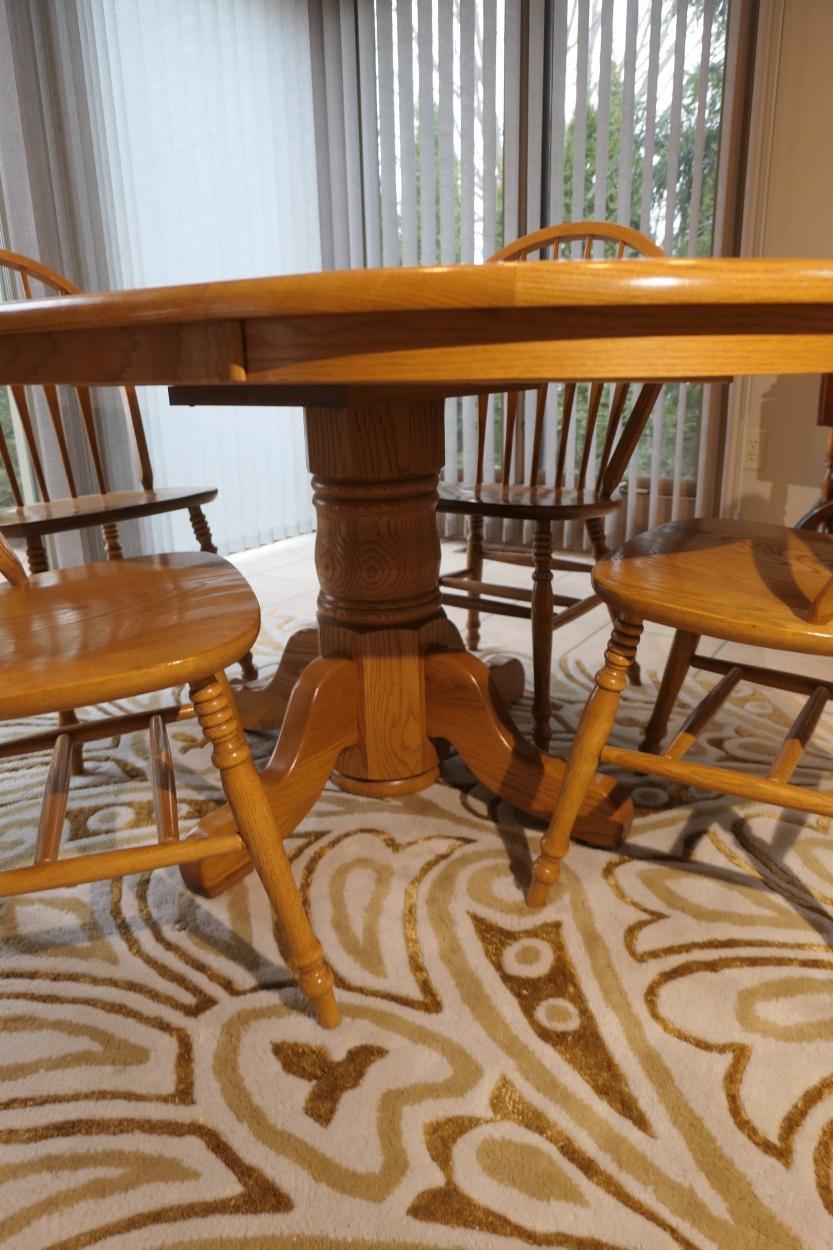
column 118, row 505
column 105, row 631
column 741, row 581
column 531, row 503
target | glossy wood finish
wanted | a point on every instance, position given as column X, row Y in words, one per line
column 54, row 806
column 375, row 470
column 214, row 706
column 164, row 782
column 262, row 706
column 594, row 728
column 59, row 515
column 77, row 510
column 522, row 502
column 108, row 631
column 683, row 647
column 742, row 582
column 683, row 654
column 459, row 328
column 377, row 553
column 113, row 624
column 531, row 499
column 396, row 336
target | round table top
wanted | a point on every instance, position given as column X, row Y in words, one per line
column 456, row 329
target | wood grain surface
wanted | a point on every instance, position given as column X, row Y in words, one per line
column 461, row 325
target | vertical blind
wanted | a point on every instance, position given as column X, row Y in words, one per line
column 174, row 142
column 446, row 128
column 161, row 142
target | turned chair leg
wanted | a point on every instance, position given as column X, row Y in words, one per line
column 76, row 756
column 541, row 611
column 218, row 718
column 112, row 542
column 592, row 734
column 36, row 554
column 202, row 530
column 598, row 539
column 474, row 566
column 205, row 542
column 38, row 563
column 677, row 665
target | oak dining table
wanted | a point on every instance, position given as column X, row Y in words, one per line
column 371, row 356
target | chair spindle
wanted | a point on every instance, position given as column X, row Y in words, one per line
column 22, row 404
column 509, row 434
column 482, row 414
column 8, row 465
column 566, row 419
column 54, row 806
column 83, row 396
column 799, row 735
column 701, row 716
column 163, row 782
column 538, row 435
column 594, row 402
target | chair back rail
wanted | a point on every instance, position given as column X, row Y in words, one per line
column 27, row 271
column 548, row 243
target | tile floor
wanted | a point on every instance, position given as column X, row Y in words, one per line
column 283, row 575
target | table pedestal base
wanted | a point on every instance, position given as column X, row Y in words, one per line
column 393, row 682
column 262, row 705
column 335, row 724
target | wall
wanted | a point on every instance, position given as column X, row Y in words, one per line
column 789, row 212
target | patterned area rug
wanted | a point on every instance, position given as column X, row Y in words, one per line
column 646, row 1064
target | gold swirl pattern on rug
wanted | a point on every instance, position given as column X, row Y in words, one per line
column 647, row 1064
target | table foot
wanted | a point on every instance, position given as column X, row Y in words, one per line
column 262, row 707
column 463, row 706
column 508, row 678
column 321, row 721
column 210, row 877
column 386, row 789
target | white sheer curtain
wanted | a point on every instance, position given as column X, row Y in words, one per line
column 166, row 141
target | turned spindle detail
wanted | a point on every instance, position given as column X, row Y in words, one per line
column 112, row 541
column 591, row 735
column 36, row 555
column 219, row 721
column 202, row 530
column 542, row 624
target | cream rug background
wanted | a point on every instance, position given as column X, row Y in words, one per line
column 646, row 1064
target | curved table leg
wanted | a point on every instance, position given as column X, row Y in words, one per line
column 321, row 721
column 262, row 707
column 507, row 677
column 463, row 706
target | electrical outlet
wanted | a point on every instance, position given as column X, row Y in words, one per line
column 754, row 451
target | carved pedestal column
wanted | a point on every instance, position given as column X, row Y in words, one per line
column 378, row 556
column 367, row 721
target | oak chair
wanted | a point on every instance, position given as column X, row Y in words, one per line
column 588, row 500
column 32, row 522
column 683, row 656
column 755, row 584
column 113, row 630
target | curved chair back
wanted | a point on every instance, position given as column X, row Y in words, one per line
column 584, row 240
column 24, row 273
